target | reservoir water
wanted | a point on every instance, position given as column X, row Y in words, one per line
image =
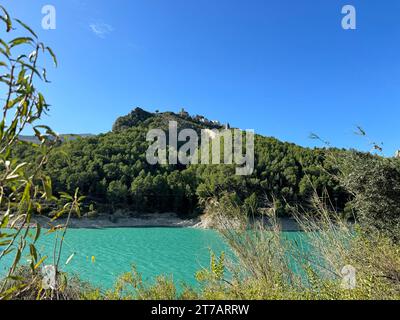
column 101, row 255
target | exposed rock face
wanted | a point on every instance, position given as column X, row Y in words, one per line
column 207, row 221
column 211, row 134
column 160, row 120
column 397, row 154
column 123, row 219
column 132, row 119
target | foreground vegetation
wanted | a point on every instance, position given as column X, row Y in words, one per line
column 265, row 266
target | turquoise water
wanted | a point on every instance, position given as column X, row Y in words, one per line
column 178, row 252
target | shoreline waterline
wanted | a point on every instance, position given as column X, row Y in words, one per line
column 145, row 220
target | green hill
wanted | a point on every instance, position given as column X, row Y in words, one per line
column 112, row 171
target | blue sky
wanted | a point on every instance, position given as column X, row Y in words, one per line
column 284, row 68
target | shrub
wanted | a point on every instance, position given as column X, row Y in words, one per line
column 267, row 265
column 374, row 183
column 27, row 285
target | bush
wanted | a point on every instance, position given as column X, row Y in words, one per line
column 27, row 285
column 374, row 183
column 130, row 286
column 268, row 266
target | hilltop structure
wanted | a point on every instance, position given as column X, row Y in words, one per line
column 160, row 120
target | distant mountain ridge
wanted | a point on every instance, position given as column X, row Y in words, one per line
column 63, row 137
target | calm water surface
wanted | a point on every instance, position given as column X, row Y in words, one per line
column 178, row 252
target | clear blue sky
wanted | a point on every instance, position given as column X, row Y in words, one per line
column 284, row 68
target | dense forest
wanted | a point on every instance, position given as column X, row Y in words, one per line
column 112, row 171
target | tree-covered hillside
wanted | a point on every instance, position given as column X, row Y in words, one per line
column 112, row 171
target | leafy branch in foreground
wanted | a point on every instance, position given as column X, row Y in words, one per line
column 23, row 186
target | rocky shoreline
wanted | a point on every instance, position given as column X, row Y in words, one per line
column 166, row 220
column 151, row 220
column 148, row 220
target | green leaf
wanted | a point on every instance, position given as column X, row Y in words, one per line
column 26, row 27
column 5, row 220
column 41, row 103
column 5, row 235
column 8, row 251
column 38, row 230
column 16, row 172
column 5, row 243
column 31, row 68
column 46, row 181
column 57, row 215
column 52, row 55
column 32, row 56
column 6, row 19
column 33, row 251
column 12, row 103
column 5, row 53
column 17, row 258
column 21, row 40
column 6, row 47
column 65, row 195
column 48, row 130
column 37, row 265
column 9, row 292
column 44, row 73
column 27, row 193
column 21, row 75
column 2, row 125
